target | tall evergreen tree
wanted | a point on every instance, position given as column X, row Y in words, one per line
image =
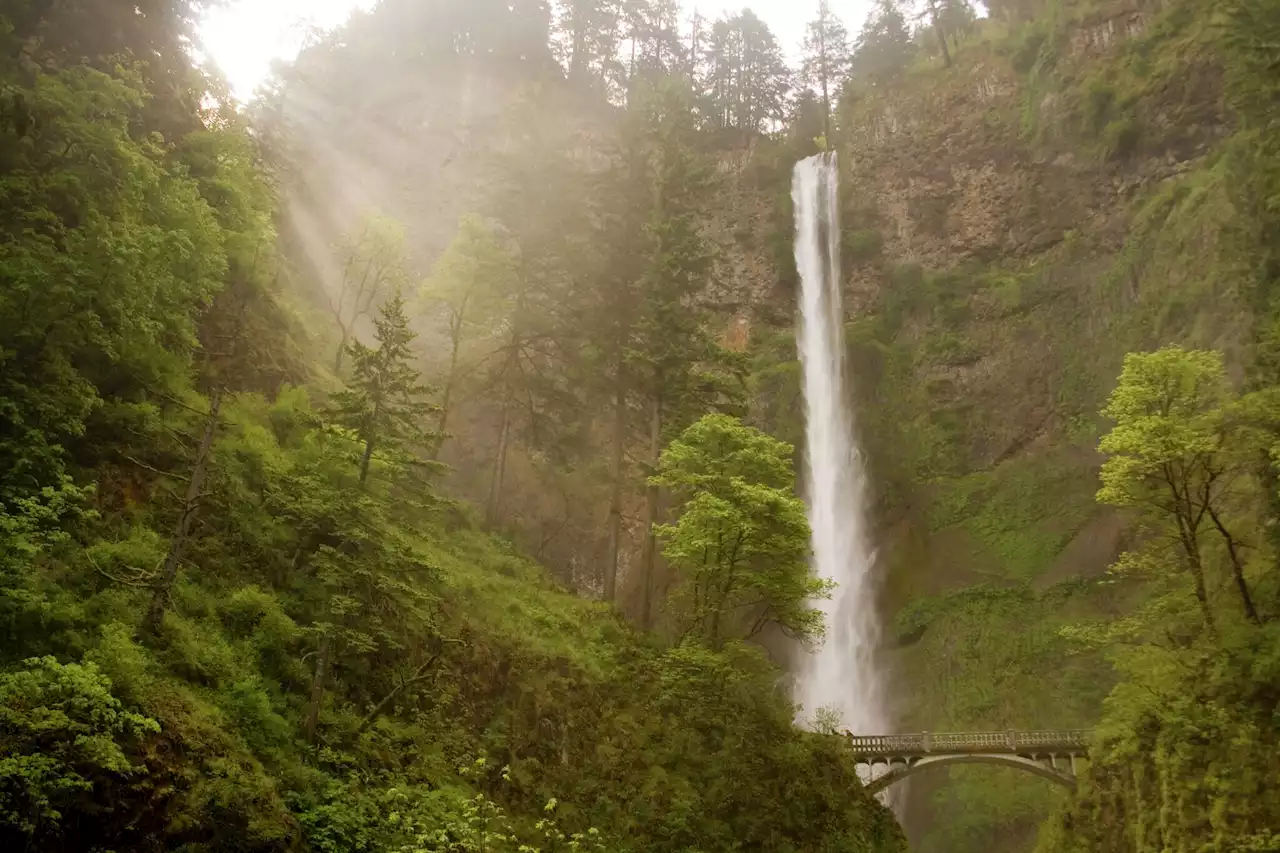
column 827, row 55
column 745, row 79
column 884, row 47
column 536, row 340
column 384, row 405
column 589, row 33
column 648, row 323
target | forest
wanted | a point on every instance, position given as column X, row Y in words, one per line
column 408, row 458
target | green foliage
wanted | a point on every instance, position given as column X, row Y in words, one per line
column 1166, row 408
column 1174, row 454
column 741, row 542
column 108, row 250
column 862, row 246
column 63, row 735
column 1022, row 512
column 884, row 48
column 383, row 405
column 1183, row 758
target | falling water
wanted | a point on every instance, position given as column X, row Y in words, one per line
column 841, row 675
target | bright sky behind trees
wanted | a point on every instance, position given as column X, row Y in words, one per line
column 244, row 36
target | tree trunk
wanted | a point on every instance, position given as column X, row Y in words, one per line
column 1242, row 587
column 615, row 496
column 446, row 400
column 649, row 558
column 1202, row 594
column 499, row 466
column 1237, row 567
column 937, row 28
column 317, row 687
column 822, row 70
column 364, row 461
column 370, row 440
column 190, row 505
column 342, row 350
column 1192, row 549
column 423, row 672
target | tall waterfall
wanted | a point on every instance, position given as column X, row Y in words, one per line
column 841, row 675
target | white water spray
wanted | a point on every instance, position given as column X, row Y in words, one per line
column 841, row 675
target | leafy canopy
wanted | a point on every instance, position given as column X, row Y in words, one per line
column 741, row 542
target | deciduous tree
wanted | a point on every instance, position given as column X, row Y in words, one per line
column 741, row 541
column 1171, row 455
column 466, row 288
column 372, row 260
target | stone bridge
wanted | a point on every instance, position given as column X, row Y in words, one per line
column 1049, row 754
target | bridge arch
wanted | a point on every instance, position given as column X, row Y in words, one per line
column 899, row 771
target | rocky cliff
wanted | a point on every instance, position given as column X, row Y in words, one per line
column 1013, row 225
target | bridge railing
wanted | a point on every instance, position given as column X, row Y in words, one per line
column 1009, row 741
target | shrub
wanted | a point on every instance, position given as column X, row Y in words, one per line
column 62, row 732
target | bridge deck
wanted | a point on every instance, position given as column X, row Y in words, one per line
column 1066, row 742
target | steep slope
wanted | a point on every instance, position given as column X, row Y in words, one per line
column 228, row 623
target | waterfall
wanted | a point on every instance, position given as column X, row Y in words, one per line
column 841, row 674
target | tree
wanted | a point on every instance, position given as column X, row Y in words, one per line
column 1171, row 455
column 741, row 542
column 826, row 57
column 656, row 46
column 589, row 32
column 372, row 264
column 532, row 368
column 745, row 78
column 646, row 316
column 63, row 35
column 365, row 596
column 946, row 19
column 669, row 357
column 187, row 513
column 466, row 286
column 935, row 10
column 383, row 404
column 884, row 46
column 373, row 601
column 81, row 332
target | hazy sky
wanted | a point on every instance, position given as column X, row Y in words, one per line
column 244, row 36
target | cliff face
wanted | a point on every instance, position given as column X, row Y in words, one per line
column 1013, row 226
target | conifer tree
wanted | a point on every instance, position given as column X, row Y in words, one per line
column 648, row 322
column 745, row 78
column 884, row 46
column 826, row 57
column 383, row 403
